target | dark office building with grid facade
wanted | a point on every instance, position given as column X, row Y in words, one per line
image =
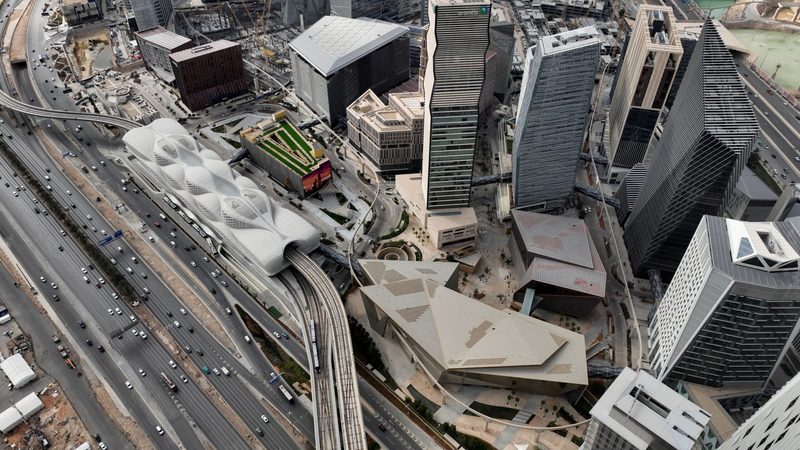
column 697, row 162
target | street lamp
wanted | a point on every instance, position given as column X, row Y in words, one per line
column 765, row 57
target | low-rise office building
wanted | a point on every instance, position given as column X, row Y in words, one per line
column 156, row 44
column 448, row 229
column 280, row 148
column 337, row 59
column 389, row 135
column 209, row 73
column 457, row 339
column 556, row 264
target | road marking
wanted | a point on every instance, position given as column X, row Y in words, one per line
column 791, row 163
column 774, row 111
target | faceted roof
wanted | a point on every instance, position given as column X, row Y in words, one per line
column 334, row 42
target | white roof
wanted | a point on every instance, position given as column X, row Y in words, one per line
column 569, row 40
column 760, row 245
column 17, row 370
column 640, row 408
column 231, row 204
column 23, row 409
column 461, row 333
column 9, row 419
column 29, row 405
column 334, row 42
column 162, row 38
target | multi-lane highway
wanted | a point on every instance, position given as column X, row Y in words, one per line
column 81, row 142
column 248, row 404
column 79, row 303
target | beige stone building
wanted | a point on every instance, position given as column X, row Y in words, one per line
column 389, row 135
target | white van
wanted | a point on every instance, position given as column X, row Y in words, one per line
column 225, row 371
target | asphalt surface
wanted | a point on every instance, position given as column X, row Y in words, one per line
column 34, row 238
column 41, row 330
column 74, row 140
column 239, row 396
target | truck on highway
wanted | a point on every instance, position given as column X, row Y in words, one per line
column 286, row 394
column 168, row 382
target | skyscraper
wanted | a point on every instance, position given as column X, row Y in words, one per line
column 704, row 147
column 554, row 102
column 151, row 13
column 456, row 46
column 732, row 309
column 774, row 425
column 637, row 412
column 652, row 56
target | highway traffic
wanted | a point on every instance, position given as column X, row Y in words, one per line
column 189, row 416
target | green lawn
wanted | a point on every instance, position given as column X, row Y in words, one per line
column 278, row 153
column 288, row 136
column 289, row 128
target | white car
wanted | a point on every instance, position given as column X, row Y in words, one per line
column 63, row 233
column 128, row 385
column 110, row 311
column 102, row 281
column 115, row 295
column 113, row 261
column 134, row 332
column 159, row 430
column 83, row 269
column 184, row 379
column 141, row 372
column 53, row 285
column 177, row 324
column 172, row 364
column 142, row 335
column 265, row 418
column 183, row 311
column 194, row 264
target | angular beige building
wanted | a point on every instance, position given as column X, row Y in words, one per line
column 649, row 65
column 457, row 339
column 389, row 135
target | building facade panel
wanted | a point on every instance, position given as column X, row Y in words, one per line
column 456, row 47
column 554, row 103
column 209, row 73
column 697, row 161
column 652, row 56
column 731, row 312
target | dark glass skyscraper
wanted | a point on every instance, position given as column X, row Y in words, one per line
column 697, row 162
